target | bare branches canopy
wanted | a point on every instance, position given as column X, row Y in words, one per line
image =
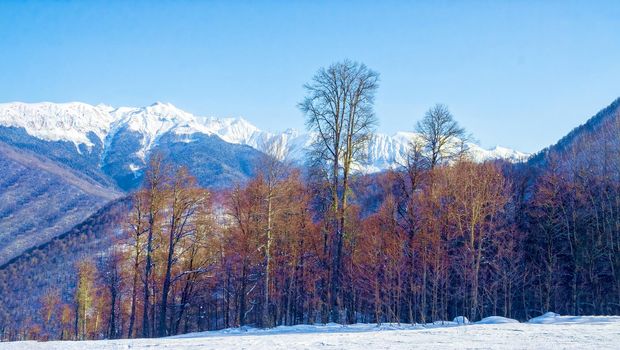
column 442, row 137
column 339, row 108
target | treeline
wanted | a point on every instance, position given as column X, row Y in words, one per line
column 439, row 237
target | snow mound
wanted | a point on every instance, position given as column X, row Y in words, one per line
column 553, row 318
column 549, row 317
column 461, row 320
column 496, row 320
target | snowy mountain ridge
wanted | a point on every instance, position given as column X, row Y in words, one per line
column 82, row 124
column 71, row 121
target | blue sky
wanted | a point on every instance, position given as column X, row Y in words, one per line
column 516, row 73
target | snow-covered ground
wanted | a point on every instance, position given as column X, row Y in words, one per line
column 549, row 331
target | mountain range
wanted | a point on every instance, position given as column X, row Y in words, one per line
column 113, row 144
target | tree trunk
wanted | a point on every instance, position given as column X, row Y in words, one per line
column 162, row 331
column 265, row 316
column 134, row 295
column 147, row 274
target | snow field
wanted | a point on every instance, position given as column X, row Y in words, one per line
column 550, row 331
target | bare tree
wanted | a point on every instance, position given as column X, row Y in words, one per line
column 272, row 167
column 136, row 227
column 185, row 200
column 410, row 181
column 442, row 137
column 339, row 109
column 156, row 178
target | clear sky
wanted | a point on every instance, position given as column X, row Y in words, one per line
column 515, row 73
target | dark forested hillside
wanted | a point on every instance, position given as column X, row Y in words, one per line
column 79, row 159
column 50, row 270
column 215, row 163
column 41, row 199
column 572, row 219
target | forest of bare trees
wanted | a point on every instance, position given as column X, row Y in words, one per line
column 439, row 237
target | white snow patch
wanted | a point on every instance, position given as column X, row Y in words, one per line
column 133, row 167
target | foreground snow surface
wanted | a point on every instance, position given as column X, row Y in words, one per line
column 549, row 331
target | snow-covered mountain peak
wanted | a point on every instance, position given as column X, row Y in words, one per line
column 105, row 107
column 510, row 154
column 156, row 120
column 160, row 103
column 72, row 121
column 233, row 130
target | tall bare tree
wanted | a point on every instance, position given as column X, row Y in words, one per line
column 137, row 227
column 185, row 200
column 410, row 181
column 339, row 109
column 442, row 137
column 273, row 168
column 156, row 180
